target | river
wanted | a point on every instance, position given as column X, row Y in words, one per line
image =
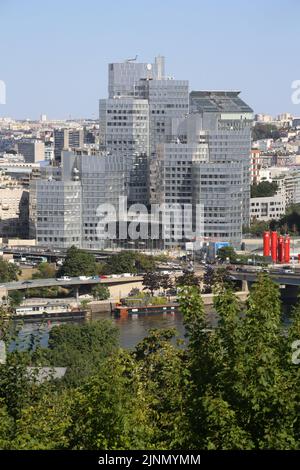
column 131, row 330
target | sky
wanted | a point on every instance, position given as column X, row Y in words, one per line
column 54, row 53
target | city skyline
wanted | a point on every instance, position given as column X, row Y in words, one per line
column 56, row 62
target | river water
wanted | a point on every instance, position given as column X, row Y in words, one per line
column 131, row 329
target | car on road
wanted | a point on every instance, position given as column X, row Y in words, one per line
column 63, row 278
column 85, row 278
column 27, row 282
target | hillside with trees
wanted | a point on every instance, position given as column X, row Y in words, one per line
column 233, row 387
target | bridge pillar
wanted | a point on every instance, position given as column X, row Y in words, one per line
column 245, row 287
column 77, row 293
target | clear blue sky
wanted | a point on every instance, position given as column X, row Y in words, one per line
column 54, row 53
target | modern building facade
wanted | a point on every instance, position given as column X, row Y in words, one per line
column 33, row 151
column 66, row 139
column 158, row 145
column 208, row 164
column 13, row 208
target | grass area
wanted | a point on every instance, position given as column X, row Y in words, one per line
column 27, row 273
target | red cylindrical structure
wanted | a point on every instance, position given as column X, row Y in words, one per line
column 274, row 243
column 287, row 249
column 267, row 245
column 281, row 249
column 298, row 258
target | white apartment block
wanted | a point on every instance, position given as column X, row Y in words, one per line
column 267, row 208
column 13, row 208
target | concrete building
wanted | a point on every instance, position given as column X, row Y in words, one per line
column 267, row 208
column 256, row 166
column 65, row 139
column 158, row 144
column 124, row 131
column 63, row 205
column 13, row 208
column 33, row 151
column 124, row 77
column 208, row 163
column 137, row 116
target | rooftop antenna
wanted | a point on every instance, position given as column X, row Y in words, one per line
column 132, row 60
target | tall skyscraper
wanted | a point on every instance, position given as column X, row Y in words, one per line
column 137, row 116
column 158, row 145
column 207, row 163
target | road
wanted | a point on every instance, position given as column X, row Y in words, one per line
column 280, row 278
column 75, row 281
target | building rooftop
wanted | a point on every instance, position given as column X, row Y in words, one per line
column 218, row 101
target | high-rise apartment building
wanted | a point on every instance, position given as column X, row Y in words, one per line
column 207, row 163
column 65, row 139
column 158, row 145
column 137, row 116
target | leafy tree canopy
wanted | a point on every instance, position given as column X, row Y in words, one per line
column 78, row 263
column 264, row 189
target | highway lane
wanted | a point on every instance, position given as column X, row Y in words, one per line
column 75, row 281
column 280, row 278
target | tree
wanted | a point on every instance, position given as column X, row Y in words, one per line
column 257, row 227
column 45, row 271
column 8, row 271
column 214, row 277
column 151, row 281
column 188, row 279
column 144, row 263
column 227, row 252
column 101, row 292
column 81, row 348
column 264, row 189
column 166, row 282
column 78, row 263
column 120, row 263
column 15, row 297
column 265, row 131
column 241, row 393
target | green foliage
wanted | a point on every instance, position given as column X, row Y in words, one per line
column 8, row 271
column 145, row 298
column 151, row 281
column 188, row 279
column 78, row 263
column 290, row 222
column 15, row 297
column 45, row 271
column 265, row 131
column 231, row 387
column 100, row 292
column 257, row 228
column 144, row 263
column 214, row 277
column 264, row 189
column 123, row 262
column 129, row 262
column 227, row 252
column 81, row 348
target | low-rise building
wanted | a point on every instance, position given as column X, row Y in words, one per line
column 267, row 208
